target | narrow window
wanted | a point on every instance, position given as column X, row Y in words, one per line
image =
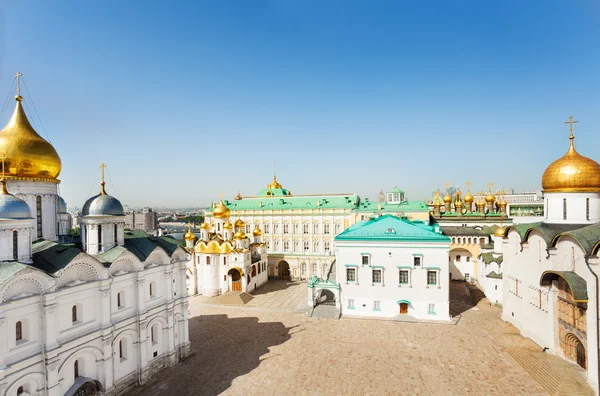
column 119, row 300
column 564, row 209
column 431, row 309
column 15, row 245
column 151, row 289
column 314, row 268
column 303, row 269
column 74, row 314
column 306, row 246
column 207, row 260
column 305, row 227
column 431, row 277
column 468, row 259
column 153, row 335
column 326, row 247
column 417, row 261
column 19, row 331
column 121, row 349
column 587, row 208
column 458, row 257
column 20, row 391
column 116, row 235
column 76, row 369
column 326, row 229
column 99, row 236
column 350, row 303
column 224, row 260
column 376, row 305
column 350, row 274
column 365, row 260
column 38, row 204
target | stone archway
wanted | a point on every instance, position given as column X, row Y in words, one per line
column 283, row 270
column 236, row 279
column 574, row 350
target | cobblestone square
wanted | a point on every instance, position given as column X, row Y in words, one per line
column 253, row 350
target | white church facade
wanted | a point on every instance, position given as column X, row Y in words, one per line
column 551, row 268
column 94, row 318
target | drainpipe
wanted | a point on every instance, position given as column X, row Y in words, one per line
column 41, row 334
column 112, row 279
column 586, row 258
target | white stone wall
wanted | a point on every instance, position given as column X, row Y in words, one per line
column 28, row 190
column 388, row 257
column 576, row 208
column 43, row 362
column 521, row 285
column 89, row 233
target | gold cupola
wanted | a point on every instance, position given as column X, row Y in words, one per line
column 204, row 226
column 256, row 231
column 500, row 231
column 572, row 172
column 189, row 235
column 447, row 198
column 238, row 197
column 490, row 198
column 221, row 211
column 228, row 225
column 274, row 184
column 239, row 235
column 239, row 223
column 28, row 155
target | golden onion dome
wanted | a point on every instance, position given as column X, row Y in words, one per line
column 189, row 236
column 221, row 211
column 28, row 155
column 228, row 225
column 238, row 197
column 204, row 226
column 274, row 184
column 480, row 204
column 500, row 232
column 502, row 202
column 239, row 235
column 447, row 198
column 437, row 203
column 458, row 204
column 468, row 198
column 572, row 173
column 490, row 198
column 239, row 223
column 256, row 231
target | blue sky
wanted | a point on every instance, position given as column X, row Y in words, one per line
column 188, row 100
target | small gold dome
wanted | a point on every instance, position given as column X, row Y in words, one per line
column 500, row 231
column 204, row 226
column 239, row 235
column 458, row 204
column 447, row 198
column 437, row 203
column 28, row 155
column 468, row 198
column 490, row 198
column 502, row 202
column 572, row 173
column 257, row 231
column 228, row 225
column 221, row 211
column 238, row 197
column 189, row 236
column 480, row 204
column 274, row 184
column 239, row 223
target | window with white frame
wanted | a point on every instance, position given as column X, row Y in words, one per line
column 338, row 228
column 327, row 247
column 326, row 228
column 316, row 247
column 248, row 228
column 350, row 274
column 366, row 259
column 350, row 303
column 267, row 228
column 306, row 246
column 286, row 228
column 303, row 268
column 417, row 261
column 296, row 228
column 276, row 228
column 376, row 305
column 305, row 228
column 286, row 246
column 432, row 278
column 431, row 308
column 376, row 276
column 403, row 277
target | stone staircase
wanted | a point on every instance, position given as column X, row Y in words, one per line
column 560, row 381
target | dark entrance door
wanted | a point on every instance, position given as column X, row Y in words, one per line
column 283, row 270
column 580, row 354
column 403, row 308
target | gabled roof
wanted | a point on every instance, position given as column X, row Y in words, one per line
column 391, row 228
column 51, row 257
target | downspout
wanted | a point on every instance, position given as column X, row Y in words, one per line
column 41, row 333
column 112, row 279
column 586, row 258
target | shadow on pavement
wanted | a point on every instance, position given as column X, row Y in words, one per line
column 273, row 285
column 223, row 349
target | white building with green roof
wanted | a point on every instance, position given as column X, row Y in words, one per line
column 392, row 266
column 299, row 230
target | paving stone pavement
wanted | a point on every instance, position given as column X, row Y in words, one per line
column 257, row 351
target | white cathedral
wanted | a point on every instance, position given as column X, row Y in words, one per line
column 550, row 269
column 95, row 318
column 224, row 258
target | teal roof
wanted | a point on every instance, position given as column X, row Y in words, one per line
column 110, row 255
column 396, row 190
column 406, row 206
column 51, row 257
column 348, row 201
column 273, row 192
column 9, row 269
column 391, row 228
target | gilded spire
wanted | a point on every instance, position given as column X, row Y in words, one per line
column 18, row 77
column 102, row 184
column 571, row 136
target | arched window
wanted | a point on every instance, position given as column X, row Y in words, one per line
column 152, row 289
column 38, row 206
column 121, row 351
column 153, row 334
column 20, row 390
column 74, row 314
column 19, row 331
column 587, row 208
column 76, row 369
column 207, row 260
column 458, row 257
column 564, row 209
column 253, row 271
column 224, row 260
column 303, row 269
column 15, row 245
column 119, row 300
column 259, row 265
column 99, row 236
column 314, row 269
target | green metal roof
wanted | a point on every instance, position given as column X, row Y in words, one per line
column 463, row 231
column 406, row 206
column 577, row 284
column 494, row 275
column 395, row 190
column 588, row 237
column 489, row 258
column 548, row 231
column 110, row 255
column 51, row 257
column 9, row 268
column 294, row 202
column 273, row 192
column 391, row 228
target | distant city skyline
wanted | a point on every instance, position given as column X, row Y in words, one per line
column 185, row 102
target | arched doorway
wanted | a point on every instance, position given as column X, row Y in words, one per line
column 283, row 270
column 236, row 279
column 574, row 350
column 403, row 306
column 84, row 386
